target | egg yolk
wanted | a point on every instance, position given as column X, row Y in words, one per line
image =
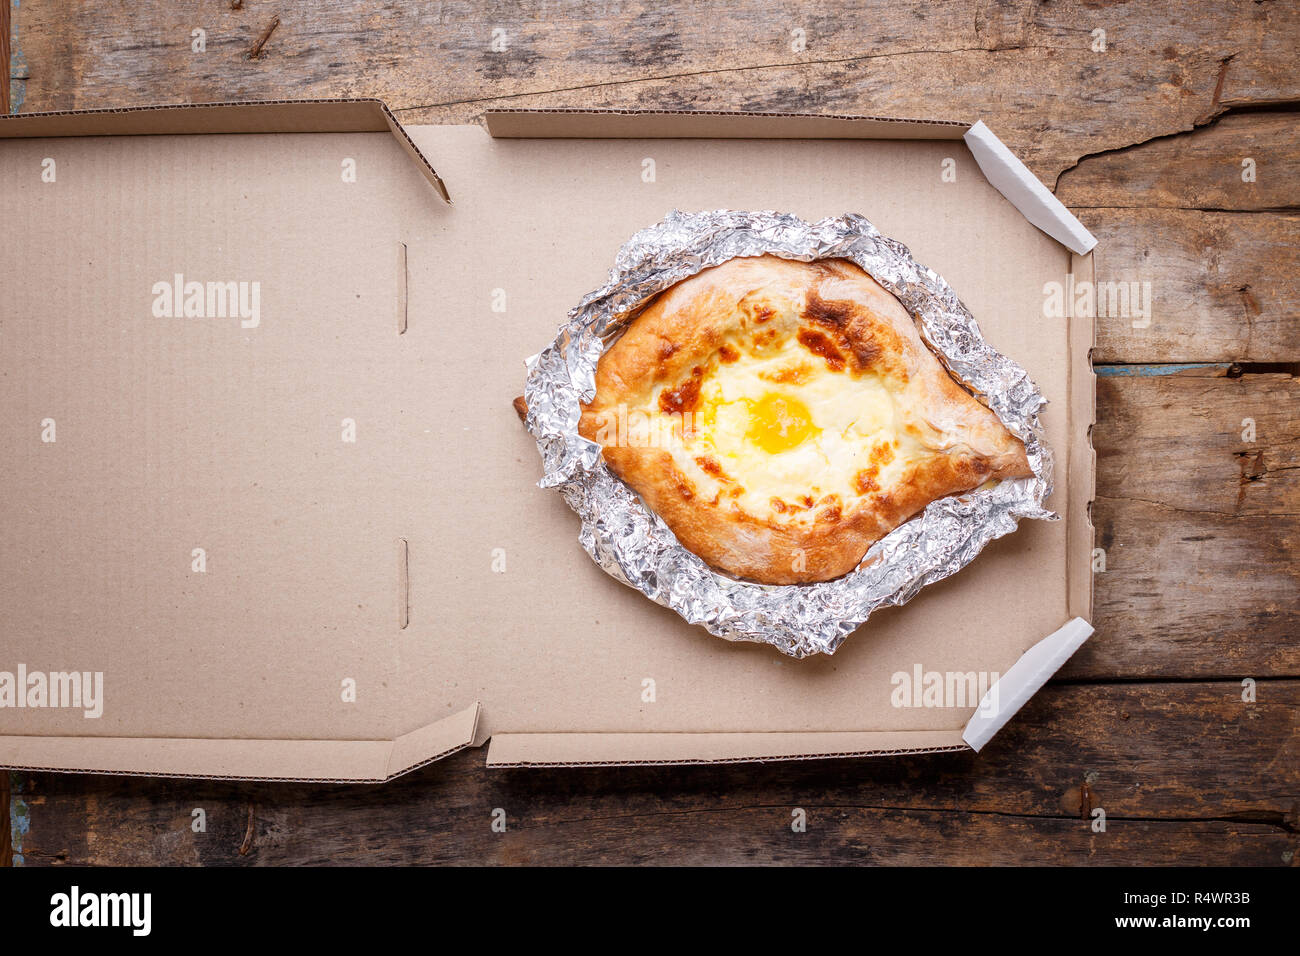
column 778, row 423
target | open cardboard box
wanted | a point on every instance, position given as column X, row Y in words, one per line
column 185, row 514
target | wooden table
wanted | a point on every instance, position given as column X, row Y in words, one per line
column 1144, row 139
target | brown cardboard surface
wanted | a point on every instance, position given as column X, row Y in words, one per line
column 277, row 116
column 347, row 761
column 373, row 561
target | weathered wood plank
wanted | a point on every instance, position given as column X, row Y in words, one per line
column 1028, row 69
column 7, row 849
column 1184, row 772
column 1177, row 213
column 1243, row 161
column 1202, row 441
column 4, row 62
column 1224, row 287
column 866, row 836
column 1192, row 594
column 1200, row 528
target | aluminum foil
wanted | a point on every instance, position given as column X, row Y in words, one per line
column 635, row 546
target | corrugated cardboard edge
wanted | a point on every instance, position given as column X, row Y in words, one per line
column 621, row 750
column 1082, row 385
column 359, row 115
column 314, row 761
column 1023, row 680
column 708, row 124
column 1009, row 176
column 1003, row 170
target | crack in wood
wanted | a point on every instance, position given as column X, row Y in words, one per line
column 1250, row 310
column 1157, row 681
column 1198, row 511
column 1214, row 109
column 6, row 828
column 1263, row 106
column 1264, row 818
column 247, row 845
column 256, row 51
column 830, row 61
column 1259, row 210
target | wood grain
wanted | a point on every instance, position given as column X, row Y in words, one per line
column 1202, row 441
column 4, row 58
column 1200, row 527
column 1018, row 801
column 1203, row 170
column 6, row 827
column 1026, row 68
column 1224, row 287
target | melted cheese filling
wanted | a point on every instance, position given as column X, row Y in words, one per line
column 780, row 433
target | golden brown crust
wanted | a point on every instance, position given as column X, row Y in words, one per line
column 846, row 379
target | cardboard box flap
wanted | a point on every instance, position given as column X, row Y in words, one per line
column 707, row 124
column 270, row 116
column 593, row 750
column 433, row 742
column 1013, row 179
column 1000, row 166
column 1023, row 680
column 998, row 706
column 354, row 761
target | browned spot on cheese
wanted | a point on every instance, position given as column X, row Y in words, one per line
column 820, row 344
column 865, row 480
column 853, row 337
column 882, row 453
column 728, row 354
column 709, row 465
column 685, row 397
column 667, row 350
column 779, row 506
column 793, row 375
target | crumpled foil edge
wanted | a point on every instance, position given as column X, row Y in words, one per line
column 635, row 546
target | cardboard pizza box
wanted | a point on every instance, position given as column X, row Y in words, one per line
column 269, row 513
